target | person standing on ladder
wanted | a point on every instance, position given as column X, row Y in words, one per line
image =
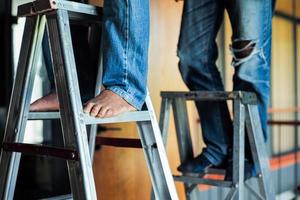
column 251, row 22
column 125, row 61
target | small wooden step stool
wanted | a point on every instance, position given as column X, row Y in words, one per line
column 245, row 114
column 57, row 14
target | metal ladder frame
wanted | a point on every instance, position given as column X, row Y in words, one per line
column 245, row 115
column 76, row 151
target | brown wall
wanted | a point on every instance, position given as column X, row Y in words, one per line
column 122, row 173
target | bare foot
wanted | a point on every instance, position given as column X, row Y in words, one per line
column 46, row 103
column 107, row 104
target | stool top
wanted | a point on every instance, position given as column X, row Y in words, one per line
column 245, row 97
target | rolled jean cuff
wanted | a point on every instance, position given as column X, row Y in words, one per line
column 127, row 96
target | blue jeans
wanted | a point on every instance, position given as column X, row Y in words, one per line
column 251, row 50
column 125, row 52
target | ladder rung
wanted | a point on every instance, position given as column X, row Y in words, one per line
column 62, row 197
column 136, row 116
column 245, row 97
column 119, row 142
column 197, row 180
column 125, row 117
column 43, row 115
column 41, row 150
column 43, row 6
column 216, row 171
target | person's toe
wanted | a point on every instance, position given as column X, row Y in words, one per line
column 109, row 113
column 88, row 107
column 103, row 112
column 95, row 110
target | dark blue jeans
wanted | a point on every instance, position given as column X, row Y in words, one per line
column 251, row 50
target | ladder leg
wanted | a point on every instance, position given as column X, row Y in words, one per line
column 183, row 137
column 72, row 116
column 160, row 173
column 238, row 148
column 165, row 118
column 95, row 33
column 230, row 195
column 164, row 124
column 20, row 101
column 259, row 151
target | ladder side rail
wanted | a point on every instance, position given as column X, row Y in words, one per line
column 183, row 134
column 238, row 148
column 164, row 119
column 15, row 125
column 161, row 150
column 182, row 129
column 25, row 110
column 160, row 173
column 259, row 151
column 72, row 118
column 150, row 151
column 231, row 194
column 95, row 32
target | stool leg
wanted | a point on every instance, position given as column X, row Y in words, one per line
column 20, row 101
column 72, row 117
column 161, row 177
column 238, row 148
column 164, row 119
column 259, row 151
column 184, row 140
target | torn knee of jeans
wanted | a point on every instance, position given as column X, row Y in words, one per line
column 242, row 51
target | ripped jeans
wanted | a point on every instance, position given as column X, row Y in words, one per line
column 251, row 50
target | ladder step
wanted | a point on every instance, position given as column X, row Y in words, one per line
column 43, row 115
column 41, row 150
column 62, row 197
column 42, row 5
column 119, row 142
column 125, row 117
column 246, row 97
column 198, row 180
column 216, row 171
column 77, row 11
column 136, row 116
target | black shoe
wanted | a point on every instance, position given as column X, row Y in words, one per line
column 196, row 165
column 249, row 170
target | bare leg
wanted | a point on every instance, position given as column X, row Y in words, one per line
column 107, row 104
column 46, row 103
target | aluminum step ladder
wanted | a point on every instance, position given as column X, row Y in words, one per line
column 56, row 16
column 245, row 115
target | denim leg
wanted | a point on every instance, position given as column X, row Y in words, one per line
column 125, row 49
column 197, row 51
column 251, row 49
